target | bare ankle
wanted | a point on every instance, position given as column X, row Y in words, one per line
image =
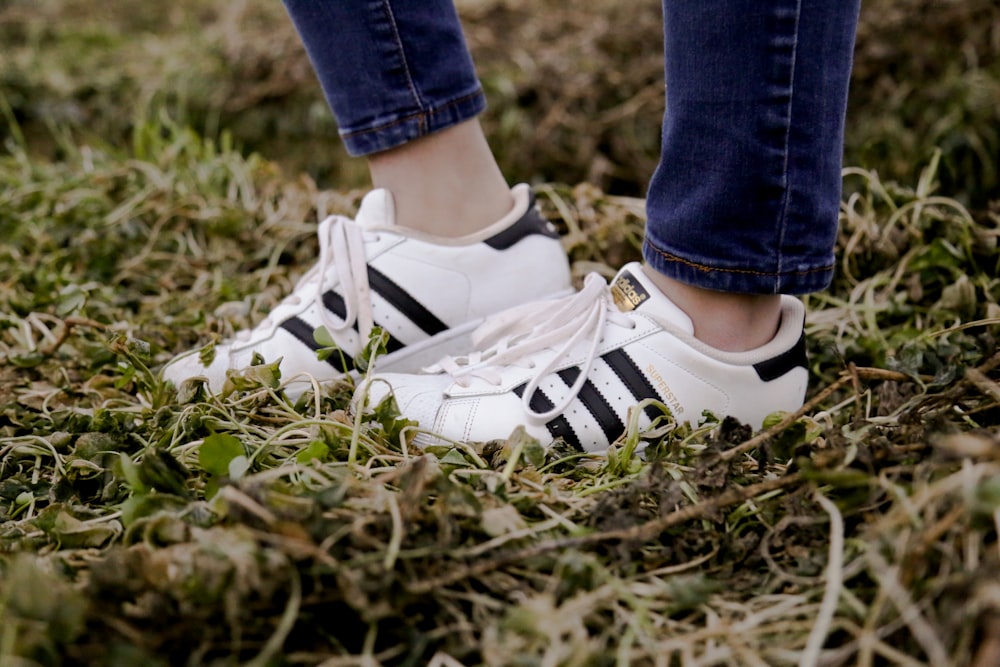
column 446, row 184
column 727, row 321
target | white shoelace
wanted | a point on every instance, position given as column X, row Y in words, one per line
column 512, row 338
column 342, row 244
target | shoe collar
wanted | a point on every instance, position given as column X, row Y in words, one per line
column 377, row 212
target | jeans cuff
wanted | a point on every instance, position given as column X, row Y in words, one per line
column 400, row 130
column 802, row 280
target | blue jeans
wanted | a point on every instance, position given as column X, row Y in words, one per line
column 747, row 191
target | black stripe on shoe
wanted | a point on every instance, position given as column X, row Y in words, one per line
column 528, row 224
column 633, row 378
column 402, row 301
column 594, row 401
column 335, row 304
column 775, row 367
column 558, row 427
column 303, row 331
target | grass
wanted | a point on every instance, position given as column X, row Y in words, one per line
column 140, row 524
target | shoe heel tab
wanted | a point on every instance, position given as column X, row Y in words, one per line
column 529, row 223
column 775, row 367
column 793, row 318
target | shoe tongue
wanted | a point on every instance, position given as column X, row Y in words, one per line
column 633, row 290
column 378, row 209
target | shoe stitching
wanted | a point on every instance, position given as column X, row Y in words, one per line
column 710, row 269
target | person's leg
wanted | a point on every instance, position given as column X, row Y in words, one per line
column 447, row 184
column 742, row 208
column 439, row 244
column 744, row 203
column 401, row 83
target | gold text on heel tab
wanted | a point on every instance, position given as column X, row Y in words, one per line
column 628, row 292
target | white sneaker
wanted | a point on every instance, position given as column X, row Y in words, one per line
column 428, row 293
column 574, row 368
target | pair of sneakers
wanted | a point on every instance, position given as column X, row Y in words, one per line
column 562, row 363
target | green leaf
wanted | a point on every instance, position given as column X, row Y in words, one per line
column 455, row 458
column 217, row 451
column 27, row 360
column 142, row 506
column 378, row 340
column 268, row 375
column 71, row 299
column 211, row 487
column 327, row 345
column 986, row 497
column 130, row 471
column 128, row 372
column 387, row 414
column 75, row 534
column 782, row 446
column 317, row 450
column 323, row 338
column 253, row 377
column 160, row 470
column 533, row 452
column 206, row 355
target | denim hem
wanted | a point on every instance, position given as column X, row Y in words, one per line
column 737, row 280
column 396, row 132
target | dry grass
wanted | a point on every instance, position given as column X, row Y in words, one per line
column 139, row 525
column 861, row 531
